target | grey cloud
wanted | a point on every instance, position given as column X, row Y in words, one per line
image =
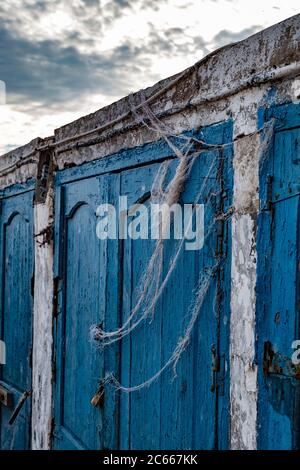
column 200, row 45
column 91, row 3
column 226, row 37
column 48, row 73
column 175, row 41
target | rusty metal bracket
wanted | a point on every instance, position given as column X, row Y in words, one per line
column 5, row 396
column 278, row 364
column 44, row 175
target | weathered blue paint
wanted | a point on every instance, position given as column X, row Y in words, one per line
column 19, row 188
column 79, row 366
column 147, row 153
column 278, row 282
column 97, row 283
column 16, row 275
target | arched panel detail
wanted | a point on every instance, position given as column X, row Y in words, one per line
column 75, row 208
column 13, row 215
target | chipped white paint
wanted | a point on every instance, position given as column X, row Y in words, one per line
column 243, row 373
column 228, row 79
column 244, row 110
column 42, row 338
column 12, row 170
column 296, row 89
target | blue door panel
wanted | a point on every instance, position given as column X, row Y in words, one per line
column 278, row 285
column 171, row 413
column 79, row 365
column 16, row 315
column 286, row 164
column 96, row 284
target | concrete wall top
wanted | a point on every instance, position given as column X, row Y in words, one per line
column 225, row 68
column 270, row 55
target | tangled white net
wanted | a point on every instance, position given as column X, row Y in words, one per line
column 152, row 285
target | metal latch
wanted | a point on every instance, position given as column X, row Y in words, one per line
column 98, row 398
column 278, row 364
column 5, row 397
column 19, row 406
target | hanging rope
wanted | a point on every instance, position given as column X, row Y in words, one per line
column 151, row 279
column 182, row 344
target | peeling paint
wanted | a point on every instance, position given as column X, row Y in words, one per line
column 296, row 89
column 192, row 103
column 42, row 340
column 243, row 280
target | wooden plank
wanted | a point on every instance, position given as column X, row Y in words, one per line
column 19, row 188
column 143, row 355
column 16, row 312
column 110, row 304
column 79, row 363
column 178, row 414
column 279, row 326
column 278, row 282
column 174, row 414
column 144, row 154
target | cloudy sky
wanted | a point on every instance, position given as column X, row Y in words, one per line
column 61, row 59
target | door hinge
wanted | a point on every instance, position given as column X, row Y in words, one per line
column 56, row 290
column 217, row 371
column 275, row 363
column 268, row 193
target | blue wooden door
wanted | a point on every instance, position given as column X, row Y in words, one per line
column 78, row 365
column 278, row 286
column 16, row 315
column 190, row 410
column 96, row 283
